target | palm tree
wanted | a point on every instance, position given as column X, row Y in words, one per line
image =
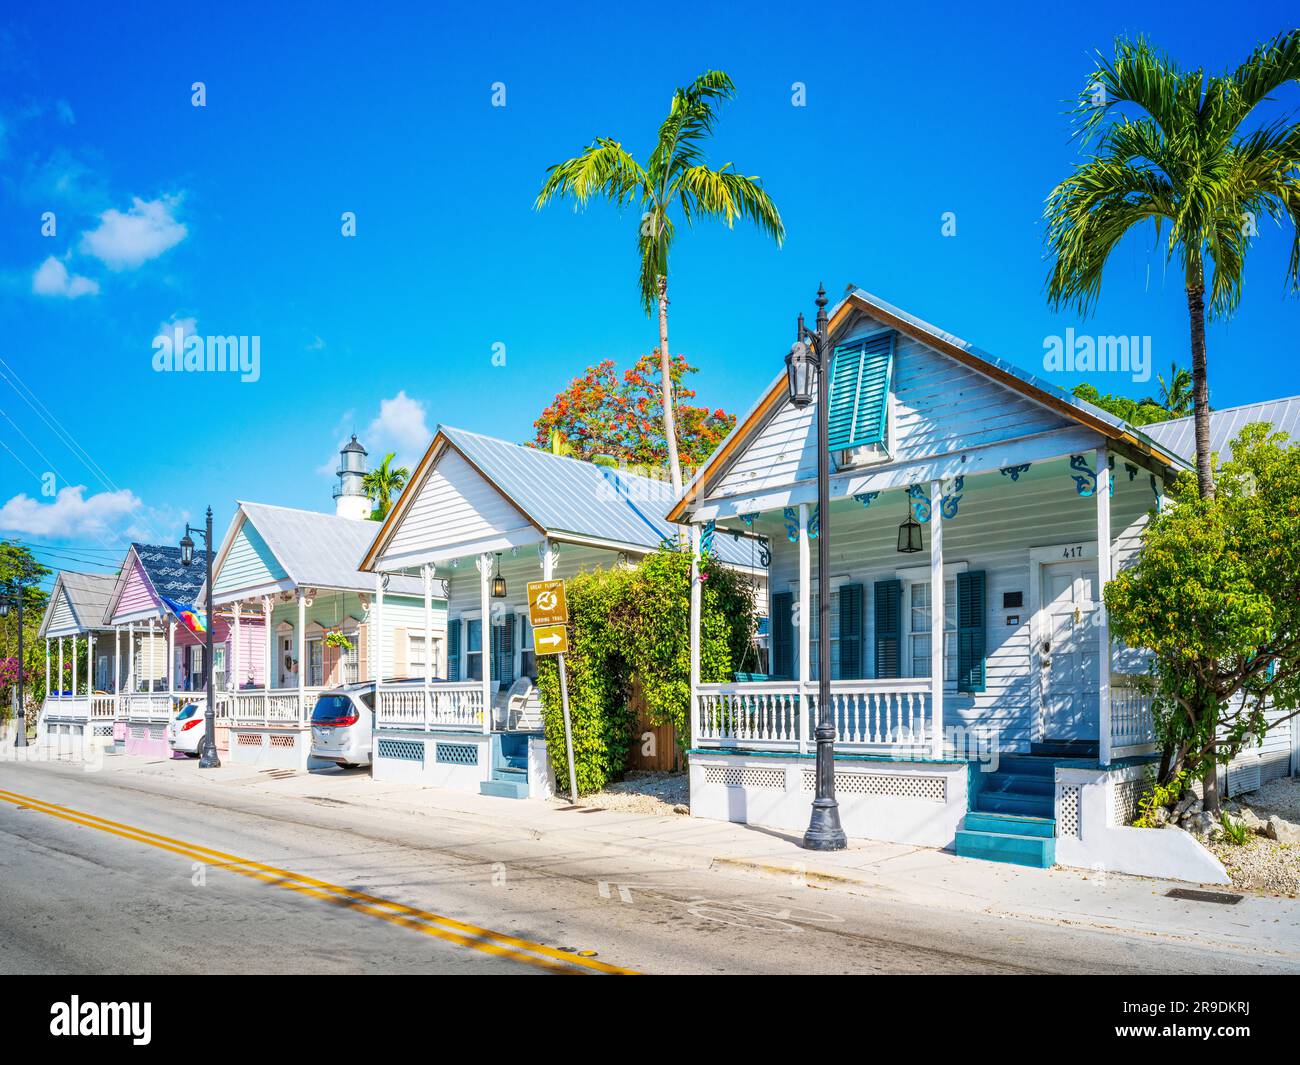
column 382, row 484
column 1176, row 393
column 674, row 175
column 1184, row 162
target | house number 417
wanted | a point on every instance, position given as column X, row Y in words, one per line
column 1073, row 552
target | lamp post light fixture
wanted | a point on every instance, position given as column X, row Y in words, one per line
column 498, row 581
column 808, row 365
column 208, row 747
column 909, row 535
column 12, row 599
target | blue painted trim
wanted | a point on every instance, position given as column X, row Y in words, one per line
column 743, row 752
column 920, row 504
column 792, row 525
column 1014, row 472
column 867, row 498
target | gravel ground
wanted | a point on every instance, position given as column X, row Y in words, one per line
column 1262, row 864
column 645, row 792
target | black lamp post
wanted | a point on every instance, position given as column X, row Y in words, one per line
column 809, row 361
column 208, row 747
column 9, row 599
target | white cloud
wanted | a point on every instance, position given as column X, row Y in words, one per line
column 52, row 279
column 401, row 426
column 70, row 515
column 126, row 241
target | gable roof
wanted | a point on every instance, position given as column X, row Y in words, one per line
column 559, row 495
column 87, row 595
column 315, row 550
column 1180, row 434
column 1006, row 373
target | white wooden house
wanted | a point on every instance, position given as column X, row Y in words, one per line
column 1017, row 735
column 477, row 511
column 78, row 706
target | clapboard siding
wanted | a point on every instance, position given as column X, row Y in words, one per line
column 400, row 615
column 938, row 406
column 996, row 525
column 63, row 621
column 249, row 563
column 454, row 505
column 137, row 593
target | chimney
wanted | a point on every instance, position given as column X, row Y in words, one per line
column 350, row 499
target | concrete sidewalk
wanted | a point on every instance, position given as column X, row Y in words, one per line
column 1096, row 900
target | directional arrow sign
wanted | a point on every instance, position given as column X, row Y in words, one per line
column 550, row 640
column 546, row 603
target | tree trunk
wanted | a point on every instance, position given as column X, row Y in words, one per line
column 1200, row 392
column 665, row 367
column 1210, row 784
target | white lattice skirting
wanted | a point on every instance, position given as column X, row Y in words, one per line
column 904, row 802
column 270, row 748
column 455, row 761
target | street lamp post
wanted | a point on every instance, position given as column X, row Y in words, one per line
column 208, row 747
column 6, row 601
column 810, row 358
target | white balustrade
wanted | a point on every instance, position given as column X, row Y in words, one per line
column 279, row 706
column 446, row 705
column 103, row 707
column 1131, row 721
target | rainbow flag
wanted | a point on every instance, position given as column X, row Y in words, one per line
column 192, row 619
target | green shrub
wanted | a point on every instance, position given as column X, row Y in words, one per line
column 1159, row 795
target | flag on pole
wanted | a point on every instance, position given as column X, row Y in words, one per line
column 189, row 617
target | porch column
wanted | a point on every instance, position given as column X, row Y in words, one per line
column 302, row 655
column 695, row 633
column 268, row 646
column 377, row 633
column 426, row 571
column 548, row 560
column 236, row 656
column 805, row 627
column 117, row 660
column 936, row 618
column 485, row 635
column 74, row 667
column 1103, row 623
column 60, row 667
column 48, row 692
column 130, row 656
column 171, row 654
column 90, row 663
column 153, row 661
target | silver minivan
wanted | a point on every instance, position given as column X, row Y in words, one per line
column 343, row 725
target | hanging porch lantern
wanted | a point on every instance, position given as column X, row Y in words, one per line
column 498, row 581
column 909, row 536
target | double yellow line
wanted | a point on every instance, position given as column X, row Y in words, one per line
column 431, row 924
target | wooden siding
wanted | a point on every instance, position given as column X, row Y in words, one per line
column 249, row 563
column 997, row 523
column 938, row 406
column 454, row 505
column 63, row 622
column 137, row 594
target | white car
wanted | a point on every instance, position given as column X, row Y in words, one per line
column 186, row 730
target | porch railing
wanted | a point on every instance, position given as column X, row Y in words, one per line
column 1131, row 721
column 103, row 707
column 278, row 706
column 869, row 715
column 145, row 706
column 443, row 705
column 68, row 708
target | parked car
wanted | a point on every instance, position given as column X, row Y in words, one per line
column 185, row 731
column 343, row 724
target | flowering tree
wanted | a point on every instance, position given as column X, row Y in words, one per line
column 605, row 413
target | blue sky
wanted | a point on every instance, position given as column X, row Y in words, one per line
column 229, row 216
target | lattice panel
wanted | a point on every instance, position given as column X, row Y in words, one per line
column 894, row 785
column 735, row 776
column 281, row 741
column 248, row 739
column 457, row 753
column 1125, row 805
column 402, row 750
column 103, row 730
column 1067, row 811
column 139, row 733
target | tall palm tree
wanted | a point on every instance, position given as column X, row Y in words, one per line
column 382, row 483
column 1184, row 162
column 1176, row 393
column 674, row 175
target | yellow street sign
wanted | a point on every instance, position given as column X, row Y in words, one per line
column 546, row 603
column 550, row 640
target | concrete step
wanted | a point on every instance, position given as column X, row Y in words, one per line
column 504, row 789
column 1033, row 851
column 1022, row 805
column 1010, row 824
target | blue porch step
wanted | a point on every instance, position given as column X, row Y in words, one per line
column 1002, row 802
column 506, row 784
column 1011, row 825
column 1036, row 851
column 1086, row 749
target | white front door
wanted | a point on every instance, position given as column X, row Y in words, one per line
column 1067, row 625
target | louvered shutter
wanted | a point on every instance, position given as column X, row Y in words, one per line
column 889, row 601
column 859, row 392
column 970, row 631
column 453, row 649
column 782, row 635
column 851, row 632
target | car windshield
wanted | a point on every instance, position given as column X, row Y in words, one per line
column 332, row 707
column 187, row 712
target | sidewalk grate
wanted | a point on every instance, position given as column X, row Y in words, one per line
column 1224, row 898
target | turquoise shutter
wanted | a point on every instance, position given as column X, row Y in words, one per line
column 782, row 635
column 859, row 392
column 970, row 631
column 506, row 652
column 453, row 649
column 851, row 632
column 889, row 608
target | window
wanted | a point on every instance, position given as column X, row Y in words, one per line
column 315, row 662
column 814, row 635
column 352, row 660
column 197, row 679
column 919, row 626
column 416, row 644
column 527, row 660
column 473, row 649
column 218, row 667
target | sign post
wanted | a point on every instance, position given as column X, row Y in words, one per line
column 548, row 615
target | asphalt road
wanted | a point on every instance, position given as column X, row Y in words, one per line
column 178, row 881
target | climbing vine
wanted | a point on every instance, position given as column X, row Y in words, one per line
column 627, row 623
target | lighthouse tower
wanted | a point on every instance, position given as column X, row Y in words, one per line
column 350, row 499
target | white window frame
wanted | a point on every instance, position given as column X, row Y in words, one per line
column 315, row 660
column 424, row 640
column 465, row 652
column 915, row 575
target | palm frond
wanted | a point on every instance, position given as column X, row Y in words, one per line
column 1268, row 68
column 604, row 168
column 725, row 194
column 1142, row 76
column 690, row 121
column 654, row 239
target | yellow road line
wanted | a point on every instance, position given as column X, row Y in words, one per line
column 446, row 928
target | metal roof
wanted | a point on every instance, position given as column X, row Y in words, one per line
column 1180, row 434
column 567, row 495
column 88, row 595
column 322, row 550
